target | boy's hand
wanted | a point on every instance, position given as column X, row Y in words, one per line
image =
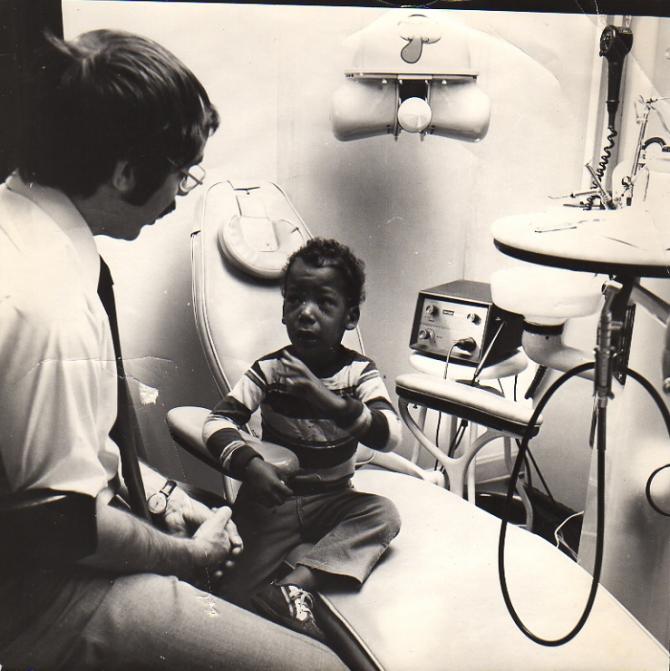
column 304, row 384
column 267, row 481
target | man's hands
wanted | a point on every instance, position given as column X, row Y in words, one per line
column 268, row 482
column 304, row 384
column 216, row 541
column 127, row 544
column 184, row 514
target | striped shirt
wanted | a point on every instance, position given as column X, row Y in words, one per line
column 321, row 444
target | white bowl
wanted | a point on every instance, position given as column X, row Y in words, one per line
column 546, row 295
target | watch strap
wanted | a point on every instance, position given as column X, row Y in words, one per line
column 168, row 488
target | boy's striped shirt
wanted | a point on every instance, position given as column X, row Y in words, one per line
column 321, row 444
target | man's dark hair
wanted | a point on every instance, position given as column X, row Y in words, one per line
column 329, row 253
column 110, row 96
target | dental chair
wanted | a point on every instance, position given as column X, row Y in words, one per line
column 433, row 601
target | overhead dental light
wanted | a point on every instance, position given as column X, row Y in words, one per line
column 410, row 71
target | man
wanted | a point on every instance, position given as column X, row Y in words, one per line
column 115, row 126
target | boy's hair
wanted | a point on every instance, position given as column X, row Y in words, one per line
column 109, row 96
column 329, row 253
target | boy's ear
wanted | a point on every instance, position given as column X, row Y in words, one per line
column 123, row 177
column 353, row 316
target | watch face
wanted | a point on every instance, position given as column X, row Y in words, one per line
column 157, row 503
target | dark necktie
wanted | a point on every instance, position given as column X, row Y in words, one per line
column 124, row 432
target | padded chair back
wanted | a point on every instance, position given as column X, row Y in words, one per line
column 243, row 235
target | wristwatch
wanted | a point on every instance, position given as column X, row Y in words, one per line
column 157, row 502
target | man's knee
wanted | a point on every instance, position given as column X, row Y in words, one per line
column 392, row 516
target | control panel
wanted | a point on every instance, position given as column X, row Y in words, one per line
column 459, row 321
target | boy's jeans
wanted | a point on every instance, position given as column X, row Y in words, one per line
column 350, row 531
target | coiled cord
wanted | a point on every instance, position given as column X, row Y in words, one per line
column 602, row 167
column 607, row 153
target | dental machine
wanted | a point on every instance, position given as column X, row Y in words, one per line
column 458, row 321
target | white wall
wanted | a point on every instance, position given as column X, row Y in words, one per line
column 418, row 213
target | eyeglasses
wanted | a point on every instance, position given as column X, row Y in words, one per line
column 194, row 176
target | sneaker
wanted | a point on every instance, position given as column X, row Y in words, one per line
column 290, row 606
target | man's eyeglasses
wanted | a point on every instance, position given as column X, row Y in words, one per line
column 190, row 178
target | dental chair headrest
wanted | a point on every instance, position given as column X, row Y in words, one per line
column 259, row 246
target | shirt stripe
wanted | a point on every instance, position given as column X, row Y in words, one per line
column 295, row 423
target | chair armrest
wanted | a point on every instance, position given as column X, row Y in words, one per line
column 391, row 461
column 185, row 426
column 46, row 527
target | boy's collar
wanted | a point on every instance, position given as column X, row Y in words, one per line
column 338, row 361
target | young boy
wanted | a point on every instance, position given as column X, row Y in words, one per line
column 320, row 400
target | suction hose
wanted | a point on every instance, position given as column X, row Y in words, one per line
column 600, row 511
